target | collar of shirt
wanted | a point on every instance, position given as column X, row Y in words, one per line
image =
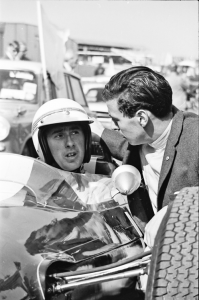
column 151, row 159
column 160, row 143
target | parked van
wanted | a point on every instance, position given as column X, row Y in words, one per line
column 21, row 94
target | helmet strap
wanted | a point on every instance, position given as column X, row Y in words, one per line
column 49, row 159
column 88, row 141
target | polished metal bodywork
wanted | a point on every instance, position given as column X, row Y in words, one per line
column 53, row 222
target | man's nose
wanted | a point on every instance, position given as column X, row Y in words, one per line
column 114, row 127
column 69, row 141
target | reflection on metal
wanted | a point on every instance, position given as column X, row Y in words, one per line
column 14, row 281
column 84, row 234
column 63, row 222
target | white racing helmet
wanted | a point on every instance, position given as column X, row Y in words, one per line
column 57, row 111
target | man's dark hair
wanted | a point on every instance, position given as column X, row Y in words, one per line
column 139, row 88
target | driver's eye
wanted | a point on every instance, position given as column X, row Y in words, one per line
column 59, row 135
column 75, row 132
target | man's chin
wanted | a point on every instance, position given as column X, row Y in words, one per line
column 70, row 167
column 134, row 143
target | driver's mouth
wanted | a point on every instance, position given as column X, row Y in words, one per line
column 71, row 154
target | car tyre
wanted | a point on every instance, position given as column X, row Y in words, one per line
column 173, row 270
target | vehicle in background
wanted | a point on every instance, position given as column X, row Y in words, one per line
column 21, row 94
column 113, row 57
column 93, row 87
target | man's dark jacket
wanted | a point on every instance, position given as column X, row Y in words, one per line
column 180, row 166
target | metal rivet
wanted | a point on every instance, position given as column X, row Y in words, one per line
column 167, row 158
column 67, row 112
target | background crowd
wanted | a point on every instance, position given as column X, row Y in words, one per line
column 16, row 51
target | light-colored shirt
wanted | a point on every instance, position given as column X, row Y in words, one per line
column 151, row 159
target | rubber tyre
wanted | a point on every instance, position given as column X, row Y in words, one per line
column 173, row 272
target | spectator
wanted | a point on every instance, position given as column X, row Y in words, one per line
column 22, row 52
column 179, row 87
column 12, row 51
column 100, row 70
column 155, row 137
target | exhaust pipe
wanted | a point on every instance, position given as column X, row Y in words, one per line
column 59, row 288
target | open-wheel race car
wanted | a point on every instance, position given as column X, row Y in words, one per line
column 72, row 236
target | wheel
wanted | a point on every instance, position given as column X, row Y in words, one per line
column 173, row 270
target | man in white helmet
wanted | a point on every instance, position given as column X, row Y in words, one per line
column 62, row 135
column 62, row 138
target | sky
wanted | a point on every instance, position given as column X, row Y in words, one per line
column 160, row 27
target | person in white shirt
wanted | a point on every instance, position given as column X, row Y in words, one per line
column 154, row 136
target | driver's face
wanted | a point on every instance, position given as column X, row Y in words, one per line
column 67, row 145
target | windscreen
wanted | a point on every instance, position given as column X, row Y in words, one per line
column 49, row 187
column 68, row 214
column 19, row 85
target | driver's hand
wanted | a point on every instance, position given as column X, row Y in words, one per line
column 153, row 226
column 97, row 129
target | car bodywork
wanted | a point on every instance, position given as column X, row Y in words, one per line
column 21, row 94
column 72, row 236
column 54, row 222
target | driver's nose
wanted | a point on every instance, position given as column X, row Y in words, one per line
column 69, row 141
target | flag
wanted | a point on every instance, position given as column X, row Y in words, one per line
column 52, row 45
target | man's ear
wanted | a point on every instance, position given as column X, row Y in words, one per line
column 142, row 117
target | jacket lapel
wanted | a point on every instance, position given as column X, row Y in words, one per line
column 170, row 150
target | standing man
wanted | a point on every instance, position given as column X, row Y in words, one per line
column 155, row 137
column 12, row 51
column 179, row 87
column 22, row 52
column 100, row 70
